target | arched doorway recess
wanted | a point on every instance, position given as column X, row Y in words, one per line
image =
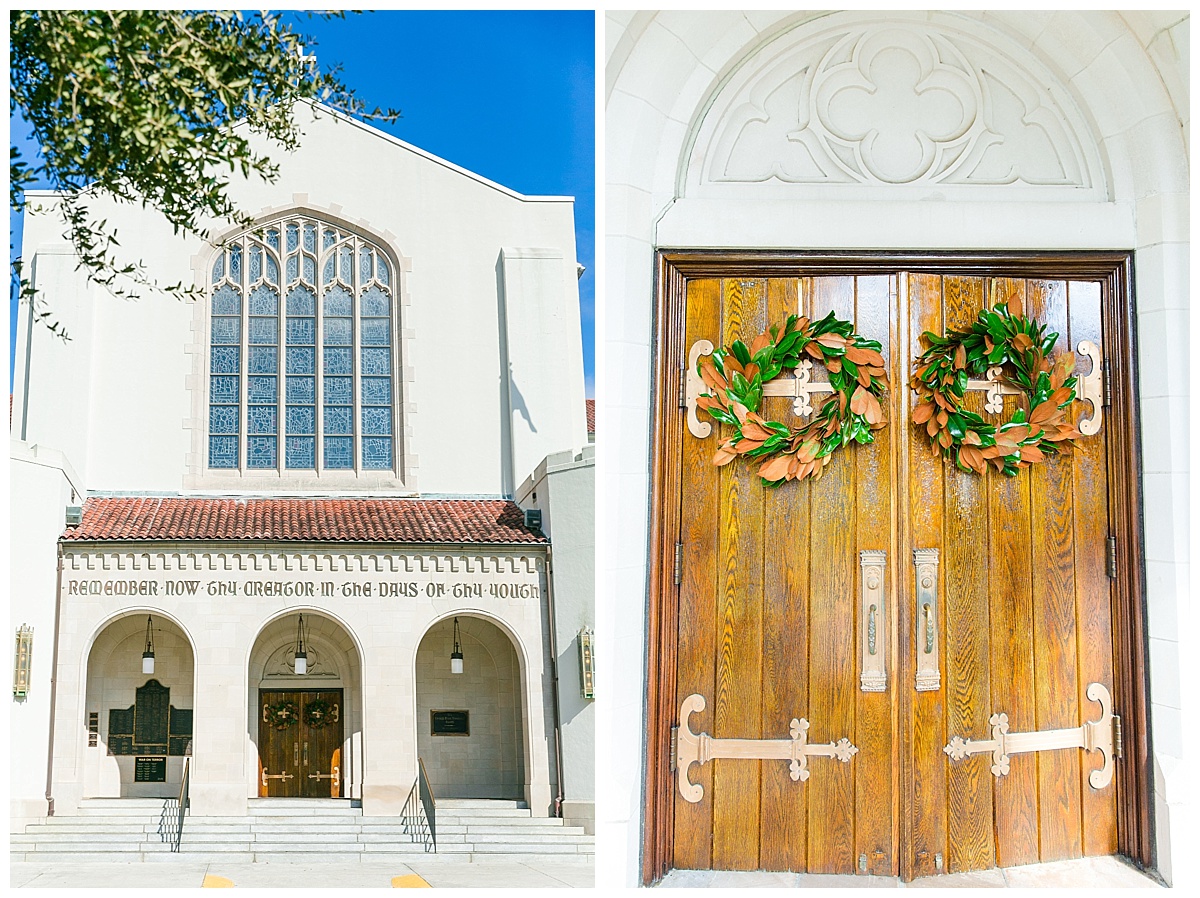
column 138, row 725
column 471, row 725
column 305, row 729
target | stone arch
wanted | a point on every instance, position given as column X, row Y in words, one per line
column 112, row 679
column 493, row 761
column 336, row 662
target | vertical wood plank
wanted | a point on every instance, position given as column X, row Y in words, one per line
column 699, row 520
column 832, row 676
column 923, row 761
column 785, row 631
column 966, row 627
column 1055, row 673
column 874, row 830
column 738, row 699
column 1010, row 587
column 1093, row 590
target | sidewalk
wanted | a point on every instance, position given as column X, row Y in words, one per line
column 336, row 874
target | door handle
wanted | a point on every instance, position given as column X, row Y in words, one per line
column 929, row 674
column 873, row 678
column 295, row 754
column 305, row 754
column 275, row 776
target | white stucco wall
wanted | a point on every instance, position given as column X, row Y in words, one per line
column 447, row 228
column 1121, row 78
column 41, row 484
column 563, row 488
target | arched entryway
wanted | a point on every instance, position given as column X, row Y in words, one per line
column 138, row 715
column 305, row 722
column 471, row 725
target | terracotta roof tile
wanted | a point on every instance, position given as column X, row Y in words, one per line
column 304, row 520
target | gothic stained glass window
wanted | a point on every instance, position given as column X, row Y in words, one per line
column 301, row 370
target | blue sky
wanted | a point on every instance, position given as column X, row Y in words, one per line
column 509, row 95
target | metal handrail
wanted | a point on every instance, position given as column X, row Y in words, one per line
column 419, row 814
column 170, row 825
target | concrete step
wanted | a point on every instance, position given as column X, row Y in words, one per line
column 481, row 803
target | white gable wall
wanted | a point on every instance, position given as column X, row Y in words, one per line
column 132, row 377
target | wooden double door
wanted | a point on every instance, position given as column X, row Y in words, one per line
column 300, row 757
column 895, row 603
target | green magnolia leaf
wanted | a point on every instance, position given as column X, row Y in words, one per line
column 740, row 352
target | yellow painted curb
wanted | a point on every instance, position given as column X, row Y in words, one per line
column 216, row 882
column 409, row 881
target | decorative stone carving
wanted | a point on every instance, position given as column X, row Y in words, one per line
column 926, row 100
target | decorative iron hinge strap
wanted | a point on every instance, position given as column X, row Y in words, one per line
column 678, row 563
column 1111, row 551
column 700, row 748
column 693, row 386
column 1097, row 735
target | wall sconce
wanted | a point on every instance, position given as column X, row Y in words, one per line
column 301, row 656
column 587, row 664
column 148, row 655
column 23, row 664
column 456, row 655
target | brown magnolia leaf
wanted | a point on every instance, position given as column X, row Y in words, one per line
column 712, row 377
column 942, row 418
column 1032, row 454
column 858, row 402
column 801, row 324
column 776, row 468
column 724, row 455
column 833, row 364
column 874, row 412
column 705, row 402
column 745, row 446
column 1022, row 343
column 1042, row 413
column 808, row 450
column 755, row 432
column 972, row 458
column 1014, row 306
column 931, row 427
column 960, row 357
column 751, row 370
column 815, row 351
column 732, row 364
column 762, row 341
column 972, row 438
column 739, row 412
column 1059, row 396
column 833, row 341
column 944, row 439
column 864, row 378
column 987, row 343
column 922, row 413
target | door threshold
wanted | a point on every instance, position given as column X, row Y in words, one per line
column 1088, row 872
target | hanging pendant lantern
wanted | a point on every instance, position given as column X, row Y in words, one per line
column 301, row 656
column 148, row 655
column 456, row 658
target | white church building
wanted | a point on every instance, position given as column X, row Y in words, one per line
column 274, row 534
column 1003, row 655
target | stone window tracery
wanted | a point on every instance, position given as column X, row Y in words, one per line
column 301, row 369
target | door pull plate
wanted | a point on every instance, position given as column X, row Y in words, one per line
column 700, row 748
column 1096, row 735
column 694, row 386
column 874, row 622
column 1091, row 389
column 929, row 673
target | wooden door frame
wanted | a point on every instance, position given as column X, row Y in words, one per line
column 1114, row 270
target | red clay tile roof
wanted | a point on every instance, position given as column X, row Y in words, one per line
column 591, row 415
column 304, row 520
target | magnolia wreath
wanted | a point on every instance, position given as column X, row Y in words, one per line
column 735, row 376
column 1001, row 336
column 320, row 714
column 281, row 715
